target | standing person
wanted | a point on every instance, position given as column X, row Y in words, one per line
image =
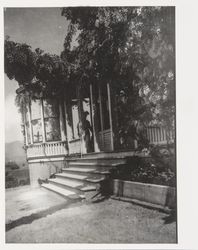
column 85, row 132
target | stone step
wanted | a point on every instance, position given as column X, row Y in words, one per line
column 78, row 169
column 89, row 172
column 108, row 155
column 87, row 178
column 72, row 184
column 95, row 164
column 63, row 192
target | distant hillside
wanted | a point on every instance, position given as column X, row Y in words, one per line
column 14, row 152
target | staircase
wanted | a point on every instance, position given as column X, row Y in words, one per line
column 84, row 178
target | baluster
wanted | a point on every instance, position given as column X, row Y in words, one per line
column 151, row 134
column 40, row 150
column 158, row 137
column 56, row 148
column 59, row 148
column 161, row 135
column 63, row 148
column 46, row 149
column 50, row 149
column 37, row 150
column 65, row 145
column 53, row 149
column 51, row 146
column 155, row 134
column 147, row 134
column 164, row 132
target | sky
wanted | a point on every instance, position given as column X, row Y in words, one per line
column 42, row 28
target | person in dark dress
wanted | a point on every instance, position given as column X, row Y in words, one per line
column 85, row 132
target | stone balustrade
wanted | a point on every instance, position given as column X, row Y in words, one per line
column 47, row 149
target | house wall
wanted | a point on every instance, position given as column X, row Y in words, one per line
column 46, row 158
column 43, row 170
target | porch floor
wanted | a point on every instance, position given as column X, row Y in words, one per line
column 109, row 154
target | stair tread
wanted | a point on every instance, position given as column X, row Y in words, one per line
column 62, row 191
column 81, row 177
column 85, row 170
column 73, row 184
column 77, row 163
column 74, row 176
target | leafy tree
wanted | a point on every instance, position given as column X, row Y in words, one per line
column 133, row 49
column 39, row 74
column 19, row 62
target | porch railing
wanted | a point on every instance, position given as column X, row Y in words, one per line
column 47, row 149
column 159, row 135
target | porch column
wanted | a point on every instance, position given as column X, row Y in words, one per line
column 62, row 124
column 96, row 147
column 26, row 139
column 79, row 95
column 30, row 123
column 25, row 128
column 69, row 130
column 110, row 115
column 42, row 122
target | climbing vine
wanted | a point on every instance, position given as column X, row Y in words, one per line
column 132, row 48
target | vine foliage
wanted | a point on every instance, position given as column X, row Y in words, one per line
column 132, row 48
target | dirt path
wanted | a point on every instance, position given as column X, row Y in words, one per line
column 109, row 221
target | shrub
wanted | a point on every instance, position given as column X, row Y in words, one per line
column 158, row 168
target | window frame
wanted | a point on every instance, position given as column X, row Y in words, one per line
column 37, row 119
column 57, row 117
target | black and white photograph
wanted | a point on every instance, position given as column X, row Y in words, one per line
column 90, row 143
column 91, row 131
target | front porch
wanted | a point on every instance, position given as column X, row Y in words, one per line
column 54, row 131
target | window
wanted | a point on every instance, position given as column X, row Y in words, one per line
column 51, row 120
column 36, row 121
